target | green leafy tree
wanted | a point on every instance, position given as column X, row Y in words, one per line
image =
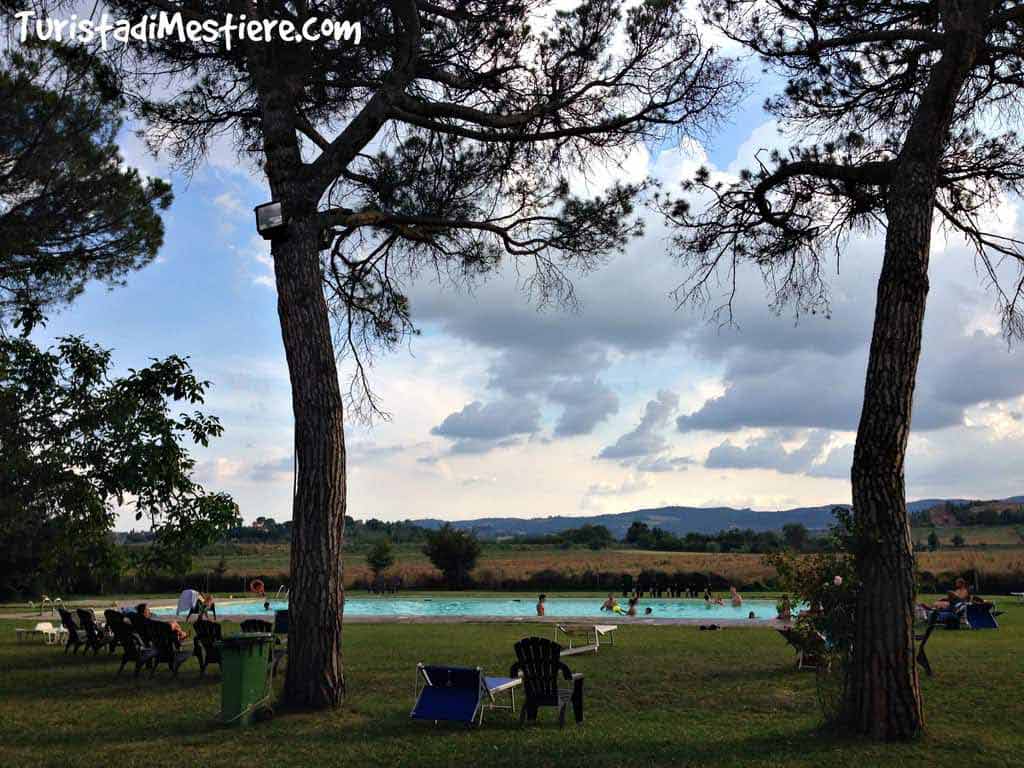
column 638, row 533
column 795, row 535
column 380, row 557
column 454, row 553
column 442, row 142
column 958, row 541
column 70, row 211
column 933, row 541
column 79, row 445
column 903, row 115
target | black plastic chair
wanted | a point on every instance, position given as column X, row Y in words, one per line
column 125, row 636
column 140, row 625
column 165, row 648
column 257, row 625
column 75, row 639
column 208, row 634
column 540, row 665
column 95, row 636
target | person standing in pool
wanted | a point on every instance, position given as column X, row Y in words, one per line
column 609, row 604
column 785, row 609
column 632, row 606
column 735, row 598
column 540, row 604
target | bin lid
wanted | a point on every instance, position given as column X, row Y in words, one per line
column 245, row 640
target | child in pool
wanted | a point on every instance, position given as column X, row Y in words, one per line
column 540, row 604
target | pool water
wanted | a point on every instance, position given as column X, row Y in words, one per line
column 512, row 607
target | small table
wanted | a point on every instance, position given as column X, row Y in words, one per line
column 496, row 685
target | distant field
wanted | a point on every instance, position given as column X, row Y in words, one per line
column 496, row 564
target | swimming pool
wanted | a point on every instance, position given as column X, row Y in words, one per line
column 470, row 607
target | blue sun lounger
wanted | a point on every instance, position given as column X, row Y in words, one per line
column 459, row 694
column 980, row 616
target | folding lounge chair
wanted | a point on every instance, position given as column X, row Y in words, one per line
column 75, row 638
column 590, row 634
column 539, row 664
column 458, row 694
column 980, row 616
column 165, row 649
column 811, row 652
column 922, row 641
column 208, row 634
column 95, row 636
column 129, row 640
column 280, row 631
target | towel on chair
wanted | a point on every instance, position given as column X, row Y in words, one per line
column 186, row 602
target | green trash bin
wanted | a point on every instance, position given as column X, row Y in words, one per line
column 245, row 678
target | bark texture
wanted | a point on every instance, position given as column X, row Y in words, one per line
column 883, row 693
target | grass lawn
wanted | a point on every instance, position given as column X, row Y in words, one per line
column 662, row 696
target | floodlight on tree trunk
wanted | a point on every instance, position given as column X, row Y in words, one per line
column 270, row 221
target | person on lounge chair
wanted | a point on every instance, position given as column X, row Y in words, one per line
column 143, row 610
column 960, row 595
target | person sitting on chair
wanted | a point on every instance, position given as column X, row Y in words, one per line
column 143, row 610
column 959, row 594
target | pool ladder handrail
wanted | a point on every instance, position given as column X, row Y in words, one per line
column 281, row 590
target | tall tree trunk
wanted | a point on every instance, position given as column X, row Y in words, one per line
column 314, row 676
column 316, row 596
column 882, row 688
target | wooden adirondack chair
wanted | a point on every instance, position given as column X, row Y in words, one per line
column 540, row 666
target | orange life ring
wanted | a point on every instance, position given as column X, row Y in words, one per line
column 256, row 585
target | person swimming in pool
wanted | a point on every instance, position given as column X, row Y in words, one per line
column 648, row 611
column 540, row 604
column 609, row 604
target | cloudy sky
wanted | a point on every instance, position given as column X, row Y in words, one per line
column 501, row 409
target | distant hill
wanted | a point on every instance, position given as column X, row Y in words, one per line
column 676, row 520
